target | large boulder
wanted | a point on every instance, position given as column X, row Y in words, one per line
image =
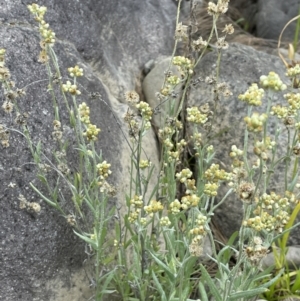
column 41, row 258
column 273, row 15
column 240, row 67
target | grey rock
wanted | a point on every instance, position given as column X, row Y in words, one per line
column 292, row 258
column 152, row 84
column 240, row 67
column 41, row 258
column 272, row 16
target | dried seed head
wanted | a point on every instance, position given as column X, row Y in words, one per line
column 246, row 191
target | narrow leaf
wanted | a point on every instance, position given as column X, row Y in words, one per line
column 164, row 267
column 88, row 240
column 213, row 288
column 247, row 294
column 159, row 287
column 202, row 292
column 43, row 197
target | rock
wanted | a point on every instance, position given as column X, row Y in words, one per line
column 153, row 83
column 41, row 258
column 272, row 16
column 240, row 67
column 292, row 258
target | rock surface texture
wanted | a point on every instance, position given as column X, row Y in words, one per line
column 271, row 17
column 41, row 259
column 240, row 67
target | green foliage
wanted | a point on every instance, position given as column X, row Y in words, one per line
column 288, row 284
column 155, row 251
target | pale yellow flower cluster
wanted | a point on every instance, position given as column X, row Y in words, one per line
column 272, row 81
column 294, row 100
column 253, row 95
column 235, row 152
column 197, row 139
column 173, row 80
column 213, row 176
column 71, row 88
column 184, row 175
column 75, row 71
column 104, row 170
column 164, row 221
column 189, row 201
column 137, row 204
column 153, row 207
column 256, row 122
column 38, row 11
column 145, row 109
column 175, row 155
column 262, row 148
column 175, row 207
column 133, row 216
column 91, row 132
column 271, row 213
column 84, row 114
column 280, row 111
column 237, row 165
column 168, row 143
column 184, row 64
column 217, row 9
column 288, row 114
column 190, row 186
column 199, row 232
column 195, row 116
column 293, row 71
column 145, row 163
column 211, row 189
column 47, row 35
column 165, row 134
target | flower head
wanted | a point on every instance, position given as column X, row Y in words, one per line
column 228, row 29
column 181, row 32
column 75, row 71
column 255, row 122
column 253, row 95
column 195, row 116
column 272, row 81
column 132, row 97
column 72, row 89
